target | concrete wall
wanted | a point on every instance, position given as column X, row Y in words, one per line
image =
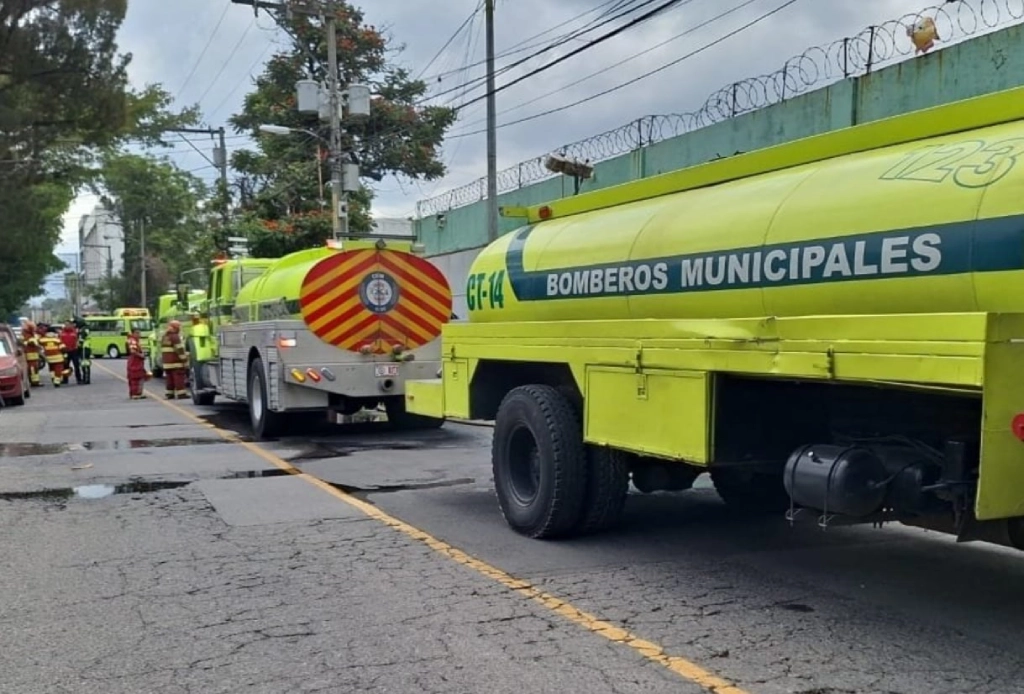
column 982, row 65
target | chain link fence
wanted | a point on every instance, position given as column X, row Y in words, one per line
column 875, row 47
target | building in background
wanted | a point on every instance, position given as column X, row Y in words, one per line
column 100, row 246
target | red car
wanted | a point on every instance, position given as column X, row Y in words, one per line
column 15, row 386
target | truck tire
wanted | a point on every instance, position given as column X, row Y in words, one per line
column 157, row 371
column 398, row 418
column 607, row 489
column 266, row 424
column 539, row 462
column 750, row 492
column 201, row 395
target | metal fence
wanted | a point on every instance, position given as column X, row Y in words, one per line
column 875, row 47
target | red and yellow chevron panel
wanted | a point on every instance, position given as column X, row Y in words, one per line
column 375, row 299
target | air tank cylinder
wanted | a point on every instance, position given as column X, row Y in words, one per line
column 840, row 480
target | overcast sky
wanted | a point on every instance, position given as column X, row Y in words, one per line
column 167, row 41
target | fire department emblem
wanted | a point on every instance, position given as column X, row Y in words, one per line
column 378, row 292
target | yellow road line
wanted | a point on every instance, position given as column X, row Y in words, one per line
column 648, row 649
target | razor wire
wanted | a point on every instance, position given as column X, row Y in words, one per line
column 875, row 47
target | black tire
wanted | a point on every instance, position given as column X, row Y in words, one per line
column 751, row 492
column 113, row 352
column 398, row 418
column 201, row 395
column 607, row 488
column 156, row 371
column 16, row 401
column 266, row 424
column 539, row 462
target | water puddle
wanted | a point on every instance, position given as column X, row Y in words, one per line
column 17, row 450
column 93, row 491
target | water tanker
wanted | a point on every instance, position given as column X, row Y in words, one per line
column 333, row 329
column 833, row 328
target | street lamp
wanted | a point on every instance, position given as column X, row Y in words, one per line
column 285, row 130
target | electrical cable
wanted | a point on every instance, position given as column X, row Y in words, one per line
column 452, row 38
column 561, row 40
column 231, row 55
column 639, row 78
column 607, row 68
column 587, row 46
column 202, row 53
column 520, row 47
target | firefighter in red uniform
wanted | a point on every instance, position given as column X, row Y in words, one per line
column 72, row 352
column 54, row 353
column 175, row 361
column 33, row 353
column 136, row 366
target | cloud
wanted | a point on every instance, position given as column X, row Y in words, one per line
column 168, row 40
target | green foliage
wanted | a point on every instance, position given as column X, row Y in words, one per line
column 64, row 98
column 288, row 177
column 152, row 199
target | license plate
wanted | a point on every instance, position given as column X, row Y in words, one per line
column 385, row 370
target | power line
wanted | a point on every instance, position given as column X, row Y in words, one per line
column 641, row 77
column 238, row 84
column 520, row 47
column 202, row 53
column 605, row 69
column 228, row 59
column 559, row 41
column 587, row 46
column 447, row 43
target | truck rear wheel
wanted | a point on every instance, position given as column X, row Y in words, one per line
column 539, row 462
column 400, row 419
column 265, row 423
column 749, row 491
column 201, row 395
column 607, row 488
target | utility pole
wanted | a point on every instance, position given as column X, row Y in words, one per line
column 142, row 254
column 492, row 130
column 220, row 155
column 339, row 199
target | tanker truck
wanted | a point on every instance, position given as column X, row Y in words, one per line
column 329, row 330
column 833, row 328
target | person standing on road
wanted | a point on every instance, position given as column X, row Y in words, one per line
column 54, row 353
column 136, row 366
column 33, row 354
column 175, row 361
column 72, row 348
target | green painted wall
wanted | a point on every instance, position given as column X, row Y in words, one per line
column 979, row 66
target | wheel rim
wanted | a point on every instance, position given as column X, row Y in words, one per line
column 257, row 400
column 112, row 352
column 524, row 466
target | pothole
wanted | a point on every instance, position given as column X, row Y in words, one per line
column 93, row 491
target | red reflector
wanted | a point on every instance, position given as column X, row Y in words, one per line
column 544, row 212
column 1017, row 426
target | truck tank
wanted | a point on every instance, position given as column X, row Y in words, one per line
column 935, row 225
column 361, row 299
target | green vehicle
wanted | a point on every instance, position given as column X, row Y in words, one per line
column 108, row 335
column 170, row 307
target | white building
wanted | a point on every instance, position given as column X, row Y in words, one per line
column 100, row 241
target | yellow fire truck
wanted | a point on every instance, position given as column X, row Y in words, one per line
column 833, row 328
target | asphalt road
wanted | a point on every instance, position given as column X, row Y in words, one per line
column 148, row 548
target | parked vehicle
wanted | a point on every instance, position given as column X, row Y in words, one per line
column 15, row 387
column 833, row 328
column 108, row 335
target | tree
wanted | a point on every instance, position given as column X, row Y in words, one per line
column 151, row 197
column 63, row 99
column 282, row 184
